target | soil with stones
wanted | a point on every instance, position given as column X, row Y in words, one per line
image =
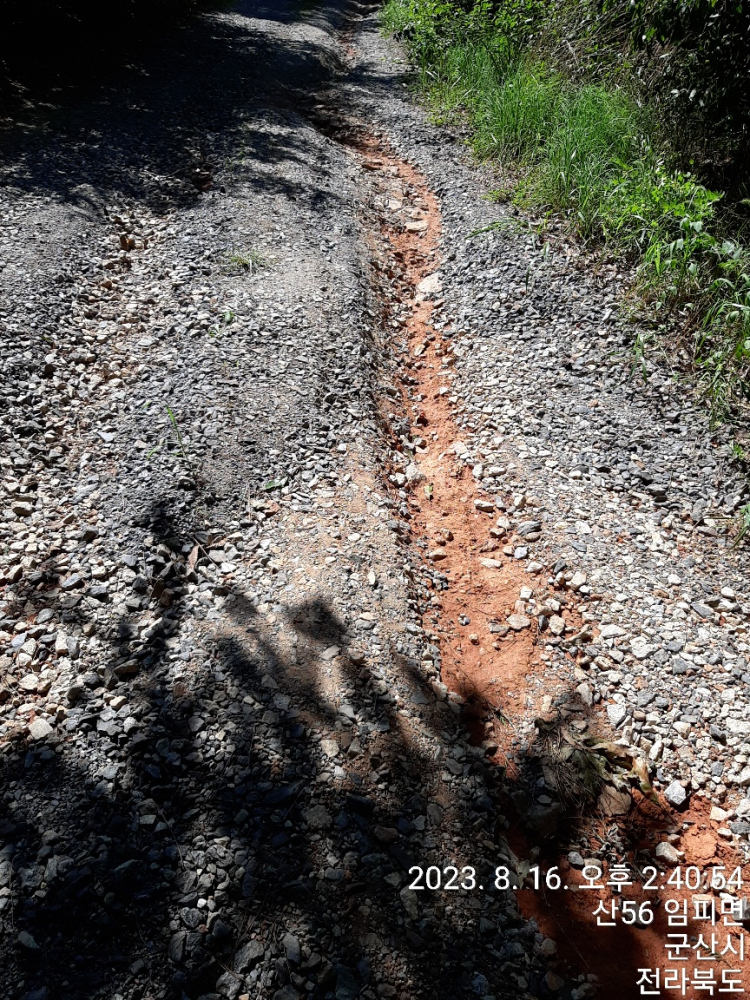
column 313, row 501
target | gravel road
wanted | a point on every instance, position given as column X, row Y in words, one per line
column 224, row 737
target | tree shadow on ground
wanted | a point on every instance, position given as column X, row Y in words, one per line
column 272, row 786
column 162, row 130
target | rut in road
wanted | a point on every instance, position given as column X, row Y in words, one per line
column 447, row 522
column 534, row 621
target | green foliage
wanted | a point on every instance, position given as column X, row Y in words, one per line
column 515, row 117
column 710, row 65
column 597, row 131
column 434, row 25
column 589, row 151
column 648, row 203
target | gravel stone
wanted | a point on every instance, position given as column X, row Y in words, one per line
column 675, row 794
column 666, row 852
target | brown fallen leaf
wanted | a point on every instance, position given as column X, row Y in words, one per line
column 614, row 803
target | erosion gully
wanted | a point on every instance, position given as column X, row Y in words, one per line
column 489, row 674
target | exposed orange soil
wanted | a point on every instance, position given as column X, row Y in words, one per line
column 477, row 664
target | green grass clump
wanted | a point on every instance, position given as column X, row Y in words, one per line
column 595, row 132
column 515, row 116
column 250, row 261
column 590, row 153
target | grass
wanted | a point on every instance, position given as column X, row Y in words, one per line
column 249, row 261
column 176, row 428
column 590, row 154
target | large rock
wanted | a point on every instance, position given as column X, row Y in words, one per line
column 318, row 817
column 40, row 729
column 675, row 795
column 667, row 853
column 409, row 901
column 518, row 622
column 248, row 955
column 176, row 948
column 616, row 715
column 292, row 949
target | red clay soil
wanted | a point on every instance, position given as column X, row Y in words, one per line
column 493, row 672
column 473, row 659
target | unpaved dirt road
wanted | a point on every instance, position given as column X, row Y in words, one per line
column 314, row 499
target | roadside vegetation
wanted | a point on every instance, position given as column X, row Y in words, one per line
column 628, row 120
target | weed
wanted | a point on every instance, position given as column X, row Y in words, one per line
column 249, row 261
column 225, row 320
column 639, row 354
column 176, row 428
column 515, row 115
column 744, row 515
column 508, row 223
column 579, row 767
column 499, row 196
